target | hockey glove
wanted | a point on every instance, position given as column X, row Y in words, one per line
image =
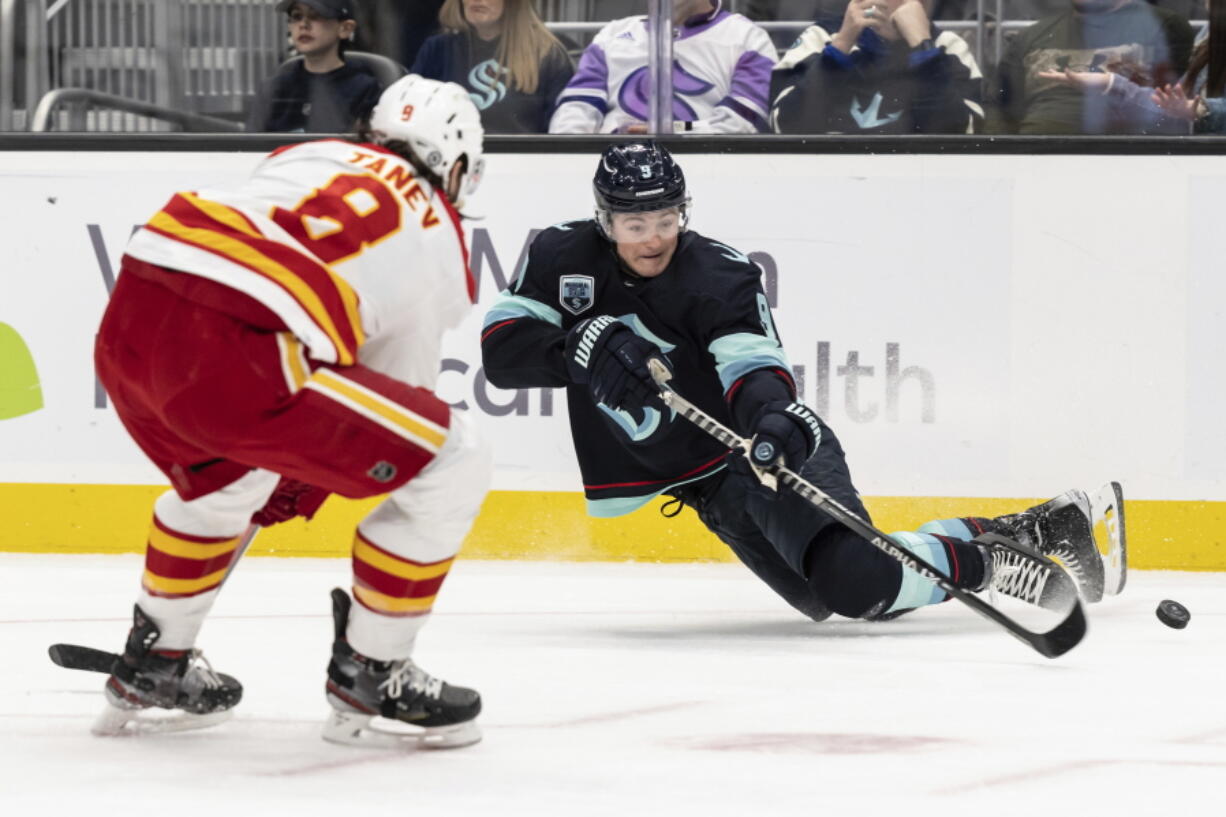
column 784, row 434
column 289, row 499
column 607, row 356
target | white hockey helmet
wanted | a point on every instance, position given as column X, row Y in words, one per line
column 439, row 122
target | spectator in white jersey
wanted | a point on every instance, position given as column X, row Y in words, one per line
column 886, row 69
column 721, row 75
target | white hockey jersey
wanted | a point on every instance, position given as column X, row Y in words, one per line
column 721, row 78
column 361, row 259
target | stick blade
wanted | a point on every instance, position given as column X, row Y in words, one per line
column 1064, row 636
column 74, row 656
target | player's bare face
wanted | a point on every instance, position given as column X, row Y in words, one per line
column 646, row 241
column 313, row 35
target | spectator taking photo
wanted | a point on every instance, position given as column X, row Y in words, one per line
column 887, row 69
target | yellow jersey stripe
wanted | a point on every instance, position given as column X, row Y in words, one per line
column 396, row 567
column 253, row 259
column 182, row 587
column 220, row 212
column 235, row 221
column 292, row 361
column 173, row 546
column 417, row 428
column 390, row 403
column 390, row 604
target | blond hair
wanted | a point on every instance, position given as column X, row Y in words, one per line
column 524, row 45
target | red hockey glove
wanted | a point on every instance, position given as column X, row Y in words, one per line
column 291, row 498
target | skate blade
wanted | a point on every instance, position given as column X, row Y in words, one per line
column 368, row 731
column 117, row 722
column 1107, row 517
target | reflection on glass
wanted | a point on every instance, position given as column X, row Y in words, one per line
column 864, row 67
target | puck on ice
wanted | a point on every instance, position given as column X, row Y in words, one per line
column 1173, row 614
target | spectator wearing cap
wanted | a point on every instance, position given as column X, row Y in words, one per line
column 502, row 54
column 320, row 93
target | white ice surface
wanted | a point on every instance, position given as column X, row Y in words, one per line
column 634, row 690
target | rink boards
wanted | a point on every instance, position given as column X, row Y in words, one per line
column 979, row 330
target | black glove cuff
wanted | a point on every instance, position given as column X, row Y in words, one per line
column 585, row 342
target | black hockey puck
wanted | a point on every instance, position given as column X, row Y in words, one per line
column 1173, row 614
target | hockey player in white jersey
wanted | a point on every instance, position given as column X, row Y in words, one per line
column 721, row 75
column 276, row 341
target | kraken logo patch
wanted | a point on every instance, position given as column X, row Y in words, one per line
column 577, row 292
column 382, row 471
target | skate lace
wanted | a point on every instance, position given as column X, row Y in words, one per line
column 407, row 674
column 1019, row 577
column 200, row 667
column 1068, row 556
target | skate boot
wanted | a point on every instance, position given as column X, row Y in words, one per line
column 417, row 709
column 144, row 678
column 1013, row 569
column 1062, row 529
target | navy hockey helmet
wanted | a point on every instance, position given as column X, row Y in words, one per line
column 638, row 177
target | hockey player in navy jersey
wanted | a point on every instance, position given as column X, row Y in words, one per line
column 600, row 297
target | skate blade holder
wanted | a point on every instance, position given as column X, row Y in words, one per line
column 359, row 729
column 116, row 722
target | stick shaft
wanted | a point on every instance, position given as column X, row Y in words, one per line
column 1063, row 637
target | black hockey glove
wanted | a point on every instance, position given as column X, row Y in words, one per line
column 784, row 434
column 611, row 359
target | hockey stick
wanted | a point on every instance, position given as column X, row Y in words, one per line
column 1055, row 642
column 88, row 659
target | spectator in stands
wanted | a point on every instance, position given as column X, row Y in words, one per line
column 1194, row 104
column 887, row 69
column 320, row 93
column 823, row 12
column 721, row 75
column 1148, row 45
column 420, row 22
column 502, row 54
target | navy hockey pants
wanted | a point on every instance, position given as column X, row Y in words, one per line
column 816, row 564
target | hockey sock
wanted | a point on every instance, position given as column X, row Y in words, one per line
column 394, row 595
column 182, row 576
column 961, row 561
column 965, row 528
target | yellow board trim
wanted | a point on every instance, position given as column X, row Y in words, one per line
column 179, row 587
column 397, row 567
column 183, row 549
column 53, row 518
column 391, row 604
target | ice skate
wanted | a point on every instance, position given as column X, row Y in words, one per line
column 180, row 681
column 393, row 703
column 1062, row 529
column 1016, row 570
